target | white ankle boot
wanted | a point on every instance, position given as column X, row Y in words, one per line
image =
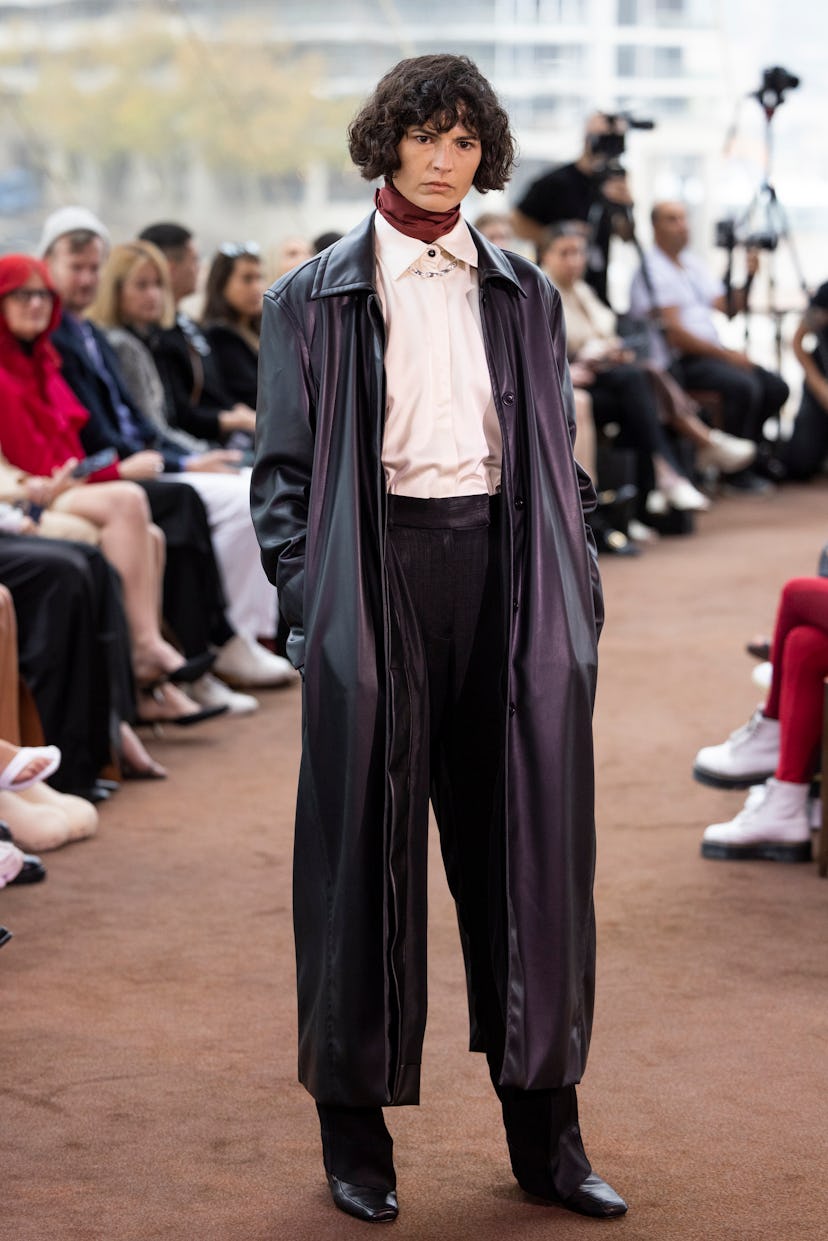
column 748, row 756
column 773, row 824
column 726, row 453
column 244, row 662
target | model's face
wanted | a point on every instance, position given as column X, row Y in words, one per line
column 565, row 260
column 141, row 301
column 76, row 273
column 670, row 228
column 27, row 310
column 184, row 269
column 245, row 287
column 437, row 169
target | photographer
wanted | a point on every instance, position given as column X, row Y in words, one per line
column 593, row 189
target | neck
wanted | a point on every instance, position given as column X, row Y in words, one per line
column 671, row 252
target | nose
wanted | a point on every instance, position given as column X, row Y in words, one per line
column 443, row 153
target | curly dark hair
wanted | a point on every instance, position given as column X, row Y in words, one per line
column 441, row 89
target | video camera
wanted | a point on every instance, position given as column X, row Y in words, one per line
column 775, row 81
column 728, row 235
column 611, row 145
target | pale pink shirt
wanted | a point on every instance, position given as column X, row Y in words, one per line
column 442, row 436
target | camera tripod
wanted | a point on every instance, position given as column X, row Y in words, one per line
column 764, row 225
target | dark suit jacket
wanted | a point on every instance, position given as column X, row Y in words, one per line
column 103, row 429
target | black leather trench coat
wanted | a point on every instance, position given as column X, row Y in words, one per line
column 318, row 502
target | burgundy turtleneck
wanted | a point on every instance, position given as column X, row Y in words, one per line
column 406, row 217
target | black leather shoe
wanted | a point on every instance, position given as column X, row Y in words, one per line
column 5, row 935
column 32, row 871
column 377, row 1206
column 592, row 1197
column 93, row 793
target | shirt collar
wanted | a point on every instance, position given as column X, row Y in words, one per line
column 398, row 252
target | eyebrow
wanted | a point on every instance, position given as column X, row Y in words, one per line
column 427, row 128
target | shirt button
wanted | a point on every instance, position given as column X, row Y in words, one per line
column 432, row 254
column 514, row 605
column 512, row 708
column 508, row 398
column 519, row 502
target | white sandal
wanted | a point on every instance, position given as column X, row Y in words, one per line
column 21, row 760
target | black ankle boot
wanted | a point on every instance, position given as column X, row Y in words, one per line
column 358, row 1154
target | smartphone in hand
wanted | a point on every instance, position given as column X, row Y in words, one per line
column 98, row 461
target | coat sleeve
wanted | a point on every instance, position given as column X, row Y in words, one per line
column 281, row 479
column 589, row 500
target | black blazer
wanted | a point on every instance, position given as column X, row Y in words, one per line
column 103, row 429
column 192, row 383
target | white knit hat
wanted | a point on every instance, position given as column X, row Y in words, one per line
column 70, row 220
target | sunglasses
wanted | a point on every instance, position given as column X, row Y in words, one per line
column 27, row 296
column 235, row 249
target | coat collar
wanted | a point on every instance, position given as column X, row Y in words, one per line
column 349, row 265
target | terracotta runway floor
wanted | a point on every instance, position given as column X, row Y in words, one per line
column 147, row 1070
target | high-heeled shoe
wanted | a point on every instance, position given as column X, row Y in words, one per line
column 5, row 935
column 189, row 671
column 185, row 719
column 135, row 761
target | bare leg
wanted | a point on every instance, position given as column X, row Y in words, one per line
column 121, row 512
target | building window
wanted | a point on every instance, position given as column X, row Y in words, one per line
column 627, row 12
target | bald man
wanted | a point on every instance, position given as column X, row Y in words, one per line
column 681, row 292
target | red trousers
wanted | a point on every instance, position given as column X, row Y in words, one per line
column 800, row 664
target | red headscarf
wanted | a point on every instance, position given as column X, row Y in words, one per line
column 40, row 416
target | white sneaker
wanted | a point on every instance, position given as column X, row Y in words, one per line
column 209, row 691
column 656, row 503
column 726, row 453
column 773, row 825
column 749, row 755
column 639, row 533
column 762, row 675
column 686, row 498
column 245, row 662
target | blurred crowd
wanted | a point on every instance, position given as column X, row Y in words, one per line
column 132, row 589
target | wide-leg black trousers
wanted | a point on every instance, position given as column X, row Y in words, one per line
column 443, row 560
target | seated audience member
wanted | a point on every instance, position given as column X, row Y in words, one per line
column 583, row 191
column 496, row 227
column 620, row 392
column 84, row 537
column 232, row 316
column 74, row 242
column 289, row 253
column 564, row 248
column 777, row 750
column 677, row 291
column 133, row 302
column 40, row 420
column 803, row 455
column 196, row 400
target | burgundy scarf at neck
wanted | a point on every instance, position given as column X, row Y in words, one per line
column 414, row 221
